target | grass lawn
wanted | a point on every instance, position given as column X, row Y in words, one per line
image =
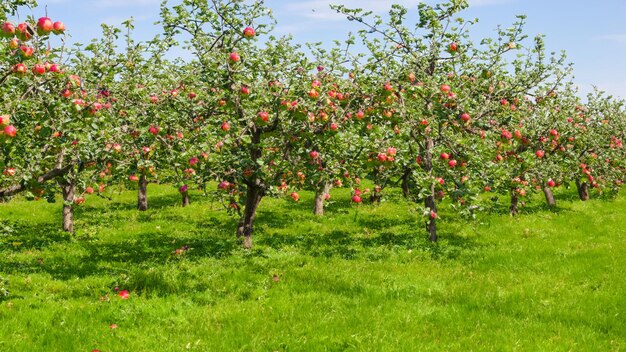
column 358, row 279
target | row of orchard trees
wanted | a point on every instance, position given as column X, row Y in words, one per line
column 426, row 108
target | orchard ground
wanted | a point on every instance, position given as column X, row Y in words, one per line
column 360, row 278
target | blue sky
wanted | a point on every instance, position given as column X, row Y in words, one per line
column 591, row 32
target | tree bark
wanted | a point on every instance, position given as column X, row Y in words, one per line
column 375, row 197
column 430, row 202
column 513, row 209
column 254, row 194
column 185, row 196
column 320, row 194
column 69, row 191
column 583, row 190
column 142, row 194
column 405, row 183
column 547, row 191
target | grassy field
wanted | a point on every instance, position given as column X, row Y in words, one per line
column 358, row 279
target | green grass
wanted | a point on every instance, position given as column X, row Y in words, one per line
column 356, row 280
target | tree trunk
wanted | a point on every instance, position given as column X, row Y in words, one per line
column 142, row 194
column 69, row 190
column 185, row 196
column 320, row 194
column 547, row 191
column 375, row 197
column 513, row 209
column 583, row 190
column 430, row 202
column 405, row 183
column 254, row 194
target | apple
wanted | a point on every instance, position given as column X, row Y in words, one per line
column 20, row 69
column 487, row 189
column 146, row 150
column 10, row 130
column 249, row 32
column 39, row 69
column 225, row 126
column 153, row 130
column 453, row 46
column 24, row 31
column 382, row 157
column 444, row 156
column 154, row 99
column 264, row 116
column 465, row 117
column 388, row 87
column 540, row 153
column 8, row 29
column 313, row 93
column 551, row 183
column 9, row 172
column 391, row 151
column 183, row 188
column 295, row 196
column 245, row 90
column 193, row 161
column 14, row 43
column 4, row 120
column 357, row 199
column 66, row 93
column 440, row 180
column 452, row 163
column 89, row 190
column 433, row 215
column 133, row 178
column 192, row 95
column 314, row 154
column 360, row 114
column 234, row 57
column 445, row 88
column 224, row 185
column 333, row 126
column 58, row 27
column 44, row 26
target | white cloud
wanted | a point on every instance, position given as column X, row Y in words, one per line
column 615, row 38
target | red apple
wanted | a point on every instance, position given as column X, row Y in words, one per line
column 356, row 199
column 465, row 117
column 225, row 126
column 540, row 153
column 4, row 120
column 264, row 116
column 453, row 46
column 39, row 69
column 382, row 157
column 314, row 154
column 445, row 88
column 20, row 69
column 133, row 178
column 8, row 29
column 444, row 156
column 24, row 31
column 551, row 183
column 452, row 163
column 295, row 196
column 10, row 130
column 14, row 43
column 234, row 57
column 245, row 90
column 153, row 130
column 249, row 32
column 58, row 27
column 44, row 26
column 89, row 190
